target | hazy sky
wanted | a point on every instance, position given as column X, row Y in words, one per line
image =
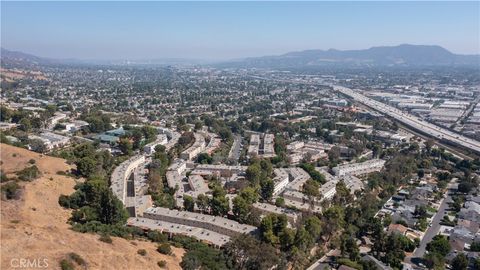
column 222, row 30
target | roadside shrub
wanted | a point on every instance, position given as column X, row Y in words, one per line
column 32, row 161
column 162, row 264
column 157, row 236
column 117, row 230
column 165, row 249
column 142, row 252
column 66, row 265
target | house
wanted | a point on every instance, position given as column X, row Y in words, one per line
column 397, row 228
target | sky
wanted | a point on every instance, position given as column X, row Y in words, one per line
column 230, row 30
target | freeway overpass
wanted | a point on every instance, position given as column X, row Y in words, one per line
column 414, row 122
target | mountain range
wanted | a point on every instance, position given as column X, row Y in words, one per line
column 402, row 55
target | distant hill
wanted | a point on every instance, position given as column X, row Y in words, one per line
column 16, row 59
column 402, row 55
column 19, row 59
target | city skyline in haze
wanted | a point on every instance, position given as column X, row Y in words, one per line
column 230, row 30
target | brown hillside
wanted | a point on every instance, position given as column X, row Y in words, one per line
column 35, row 226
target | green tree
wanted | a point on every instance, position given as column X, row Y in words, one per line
column 126, row 146
column 313, row 225
column 253, row 174
column 219, row 204
column 37, row 146
column 287, row 239
column 342, row 194
column 5, row 114
column 460, row 262
column 250, row 194
column 25, row 125
column 203, row 203
column 86, row 166
column 241, row 209
column 434, row 261
column 266, row 187
column 349, row 247
column 280, row 202
column 111, row 208
column 271, row 226
column 311, row 188
column 204, row 158
column 439, row 245
column 475, row 246
column 188, row 203
column 303, row 241
column 246, row 252
column 150, row 133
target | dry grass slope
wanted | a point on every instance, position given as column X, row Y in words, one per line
column 35, row 226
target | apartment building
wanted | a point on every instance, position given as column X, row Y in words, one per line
column 197, row 147
column 122, row 173
column 266, row 208
column 213, row 223
column 160, row 140
column 280, row 180
column 358, row 169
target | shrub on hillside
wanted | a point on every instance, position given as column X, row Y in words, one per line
column 76, row 258
column 66, row 265
column 165, row 249
column 10, row 190
column 106, row 238
column 29, row 174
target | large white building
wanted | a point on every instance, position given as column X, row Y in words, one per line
column 328, row 190
column 197, row 186
column 179, row 165
column 121, row 174
column 197, row 147
column 280, row 180
column 254, row 145
column 51, row 140
column 161, row 140
column 268, row 145
column 266, row 208
column 219, row 170
column 213, row 223
column 358, row 169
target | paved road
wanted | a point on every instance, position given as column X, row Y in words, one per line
column 467, row 112
column 236, row 149
column 433, row 229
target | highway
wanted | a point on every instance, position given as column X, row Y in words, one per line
column 407, row 119
column 414, row 122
